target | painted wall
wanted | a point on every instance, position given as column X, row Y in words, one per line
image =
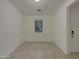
column 58, row 33
column 60, row 27
column 31, row 35
column 11, row 32
column 11, row 28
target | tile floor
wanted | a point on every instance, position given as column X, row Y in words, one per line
column 40, row 50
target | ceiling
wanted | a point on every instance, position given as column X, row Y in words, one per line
column 30, row 7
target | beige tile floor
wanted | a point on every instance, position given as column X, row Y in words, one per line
column 40, row 50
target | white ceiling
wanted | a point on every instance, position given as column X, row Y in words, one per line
column 29, row 7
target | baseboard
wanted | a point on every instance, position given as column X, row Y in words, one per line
column 47, row 42
column 66, row 53
column 38, row 41
column 4, row 57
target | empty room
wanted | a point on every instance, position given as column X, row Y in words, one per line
column 39, row 29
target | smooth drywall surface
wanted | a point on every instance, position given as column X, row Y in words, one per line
column 60, row 27
column 31, row 35
column 10, row 28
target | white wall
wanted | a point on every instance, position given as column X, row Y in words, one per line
column 60, row 27
column 55, row 28
column 11, row 32
column 31, row 35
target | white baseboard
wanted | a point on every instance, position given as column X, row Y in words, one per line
column 8, row 55
column 37, row 41
column 4, row 57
